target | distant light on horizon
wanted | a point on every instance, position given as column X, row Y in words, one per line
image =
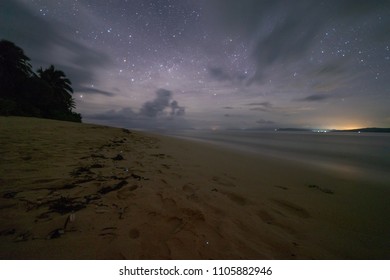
column 346, row 127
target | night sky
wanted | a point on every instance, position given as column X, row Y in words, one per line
column 214, row 63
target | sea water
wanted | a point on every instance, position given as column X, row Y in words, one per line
column 364, row 156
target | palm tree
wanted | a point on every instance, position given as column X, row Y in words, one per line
column 14, row 69
column 61, row 87
column 24, row 93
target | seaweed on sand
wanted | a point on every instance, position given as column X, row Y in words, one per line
column 118, row 186
column 65, row 205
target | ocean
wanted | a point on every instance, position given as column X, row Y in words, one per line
column 362, row 156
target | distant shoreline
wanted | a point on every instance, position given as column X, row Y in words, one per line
column 358, row 130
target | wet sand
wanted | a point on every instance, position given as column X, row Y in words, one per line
column 81, row 191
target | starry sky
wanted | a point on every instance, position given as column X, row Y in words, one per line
column 214, row 64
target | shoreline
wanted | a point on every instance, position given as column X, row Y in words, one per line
column 345, row 170
column 136, row 195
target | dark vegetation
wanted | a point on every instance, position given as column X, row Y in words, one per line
column 44, row 94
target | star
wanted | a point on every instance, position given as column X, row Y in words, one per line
column 240, row 52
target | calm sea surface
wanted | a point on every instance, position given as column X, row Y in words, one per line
column 362, row 155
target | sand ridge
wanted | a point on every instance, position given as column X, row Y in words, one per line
column 77, row 191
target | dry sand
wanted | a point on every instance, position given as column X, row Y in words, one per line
column 79, row 191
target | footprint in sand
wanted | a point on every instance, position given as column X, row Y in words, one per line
column 292, row 208
column 224, row 182
column 169, row 204
column 108, row 233
column 265, row 217
column 190, row 216
column 193, row 214
column 238, row 199
column 177, row 247
column 175, row 224
column 152, row 214
column 188, row 189
column 126, row 192
column 190, row 192
column 270, row 220
column 134, row 233
column 166, row 166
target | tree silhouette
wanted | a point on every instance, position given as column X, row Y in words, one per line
column 14, row 68
column 22, row 92
column 60, row 85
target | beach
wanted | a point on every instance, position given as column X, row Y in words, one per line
column 85, row 191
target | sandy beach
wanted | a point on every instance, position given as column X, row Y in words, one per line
column 83, row 191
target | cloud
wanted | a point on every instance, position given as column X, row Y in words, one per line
column 219, row 74
column 278, row 30
column 161, row 113
column 50, row 43
column 124, row 114
column 162, row 102
column 315, row 97
column 260, row 106
column 176, row 110
column 265, row 122
column 262, row 109
column 284, row 31
column 264, row 104
column 330, row 69
column 94, row 91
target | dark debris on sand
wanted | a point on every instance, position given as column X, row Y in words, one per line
column 118, row 186
column 10, row 194
column 66, row 187
column 324, row 190
column 80, row 171
column 7, row 232
column 138, row 177
column 55, row 233
column 118, row 157
column 65, row 205
column 97, row 165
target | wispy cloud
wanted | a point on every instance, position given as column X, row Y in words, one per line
column 264, row 104
column 95, row 91
column 265, row 122
column 50, row 43
column 316, row 98
column 260, row 106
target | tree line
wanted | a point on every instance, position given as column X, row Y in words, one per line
column 44, row 94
